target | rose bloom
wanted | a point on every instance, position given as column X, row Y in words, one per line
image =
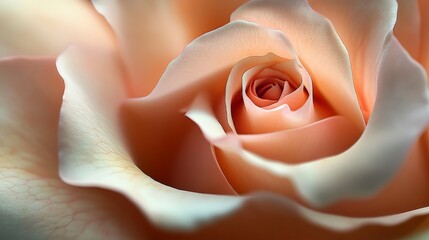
column 269, row 119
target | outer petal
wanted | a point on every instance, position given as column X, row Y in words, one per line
column 46, row 27
column 364, row 27
column 35, row 203
column 273, row 217
column 318, row 46
column 150, row 34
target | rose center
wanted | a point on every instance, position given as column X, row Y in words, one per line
column 271, row 89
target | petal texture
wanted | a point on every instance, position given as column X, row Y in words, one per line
column 35, row 203
column 92, row 152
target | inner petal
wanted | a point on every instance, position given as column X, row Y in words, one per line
column 271, row 89
column 268, row 87
column 274, row 96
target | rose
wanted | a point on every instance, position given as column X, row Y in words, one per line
column 71, row 88
column 247, row 172
column 162, row 96
column 98, row 159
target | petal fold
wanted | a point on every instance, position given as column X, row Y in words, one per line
column 150, row 34
column 364, row 27
column 93, row 153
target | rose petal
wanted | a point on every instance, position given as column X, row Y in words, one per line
column 266, row 216
column 150, row 34
column 310, row 34
column 420, row 233
column 330, row 136
column 200, row 17
column 364, row 27
column 169, row 148
column 410, row 181
column 47, row 27
column 35, row 203
column 400, row 115
column 216, row 52
column 407, row 27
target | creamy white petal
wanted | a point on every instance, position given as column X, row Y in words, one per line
column 34, row 202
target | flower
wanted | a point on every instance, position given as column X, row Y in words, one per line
column 291, row 121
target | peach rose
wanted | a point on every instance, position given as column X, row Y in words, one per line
column 279, row 124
